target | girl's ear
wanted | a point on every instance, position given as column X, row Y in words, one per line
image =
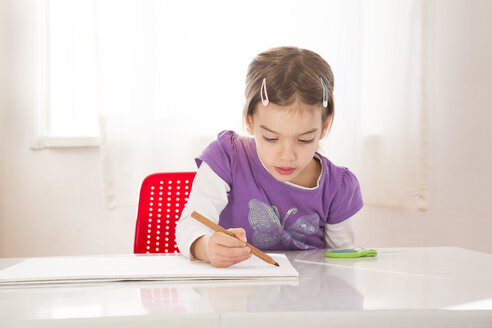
column 249, row 125
column 325, row 128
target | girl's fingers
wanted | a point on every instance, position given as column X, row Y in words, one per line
column 225, row 250
column 230, row 252
column 239, row 232
column 240, row 259
column 226, row 262
column 229, row 241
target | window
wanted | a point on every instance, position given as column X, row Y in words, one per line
column 66, row 111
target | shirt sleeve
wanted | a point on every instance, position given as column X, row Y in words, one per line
column 219, row 155
column 208, row 196
column 347, row 200
column 340, row 235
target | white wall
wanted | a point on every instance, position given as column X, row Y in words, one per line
column 52, row 200
column 4, row 91
column 460, row 176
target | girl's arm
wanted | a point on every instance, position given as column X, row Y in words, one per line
column 340, row 235
column 208, row 196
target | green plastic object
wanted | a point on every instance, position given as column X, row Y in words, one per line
column 350, row 253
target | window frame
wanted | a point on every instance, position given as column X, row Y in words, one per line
column 40, row 135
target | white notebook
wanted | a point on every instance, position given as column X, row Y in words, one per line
column 140, row 267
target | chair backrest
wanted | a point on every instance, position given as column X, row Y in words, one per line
column 162, row 199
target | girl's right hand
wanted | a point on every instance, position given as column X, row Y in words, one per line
column 221, row 249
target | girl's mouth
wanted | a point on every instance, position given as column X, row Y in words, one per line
column 285, row 170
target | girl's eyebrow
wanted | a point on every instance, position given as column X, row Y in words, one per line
column 307, row 132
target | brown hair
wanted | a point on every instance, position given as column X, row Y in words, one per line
column 289, row 72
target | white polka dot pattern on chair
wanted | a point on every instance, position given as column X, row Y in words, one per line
column 162, row 199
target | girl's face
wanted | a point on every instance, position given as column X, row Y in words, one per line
column 286, row 139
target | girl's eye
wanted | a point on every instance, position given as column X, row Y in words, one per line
column 306, row 141
column 270, row 139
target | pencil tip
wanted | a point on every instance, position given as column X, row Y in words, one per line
column 276, row 264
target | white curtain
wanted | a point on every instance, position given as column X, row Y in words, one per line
column 381, row 127
column 171, row 75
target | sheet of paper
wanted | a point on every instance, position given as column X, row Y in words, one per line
column 140, row 267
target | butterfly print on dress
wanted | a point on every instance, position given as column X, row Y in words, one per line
column 269, row 231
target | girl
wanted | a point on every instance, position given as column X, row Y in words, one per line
column 273, row 190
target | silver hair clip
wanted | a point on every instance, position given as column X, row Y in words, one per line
column 263, row 89
column 325, row 98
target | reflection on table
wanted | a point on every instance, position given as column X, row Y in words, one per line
column 430, row 279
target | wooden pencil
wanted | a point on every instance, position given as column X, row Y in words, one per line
column 215, row 227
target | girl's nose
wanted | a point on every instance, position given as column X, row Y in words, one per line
column 287, row 152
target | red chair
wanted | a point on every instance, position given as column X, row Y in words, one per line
column 162, row 199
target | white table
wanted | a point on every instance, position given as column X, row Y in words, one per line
column 402, row 287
